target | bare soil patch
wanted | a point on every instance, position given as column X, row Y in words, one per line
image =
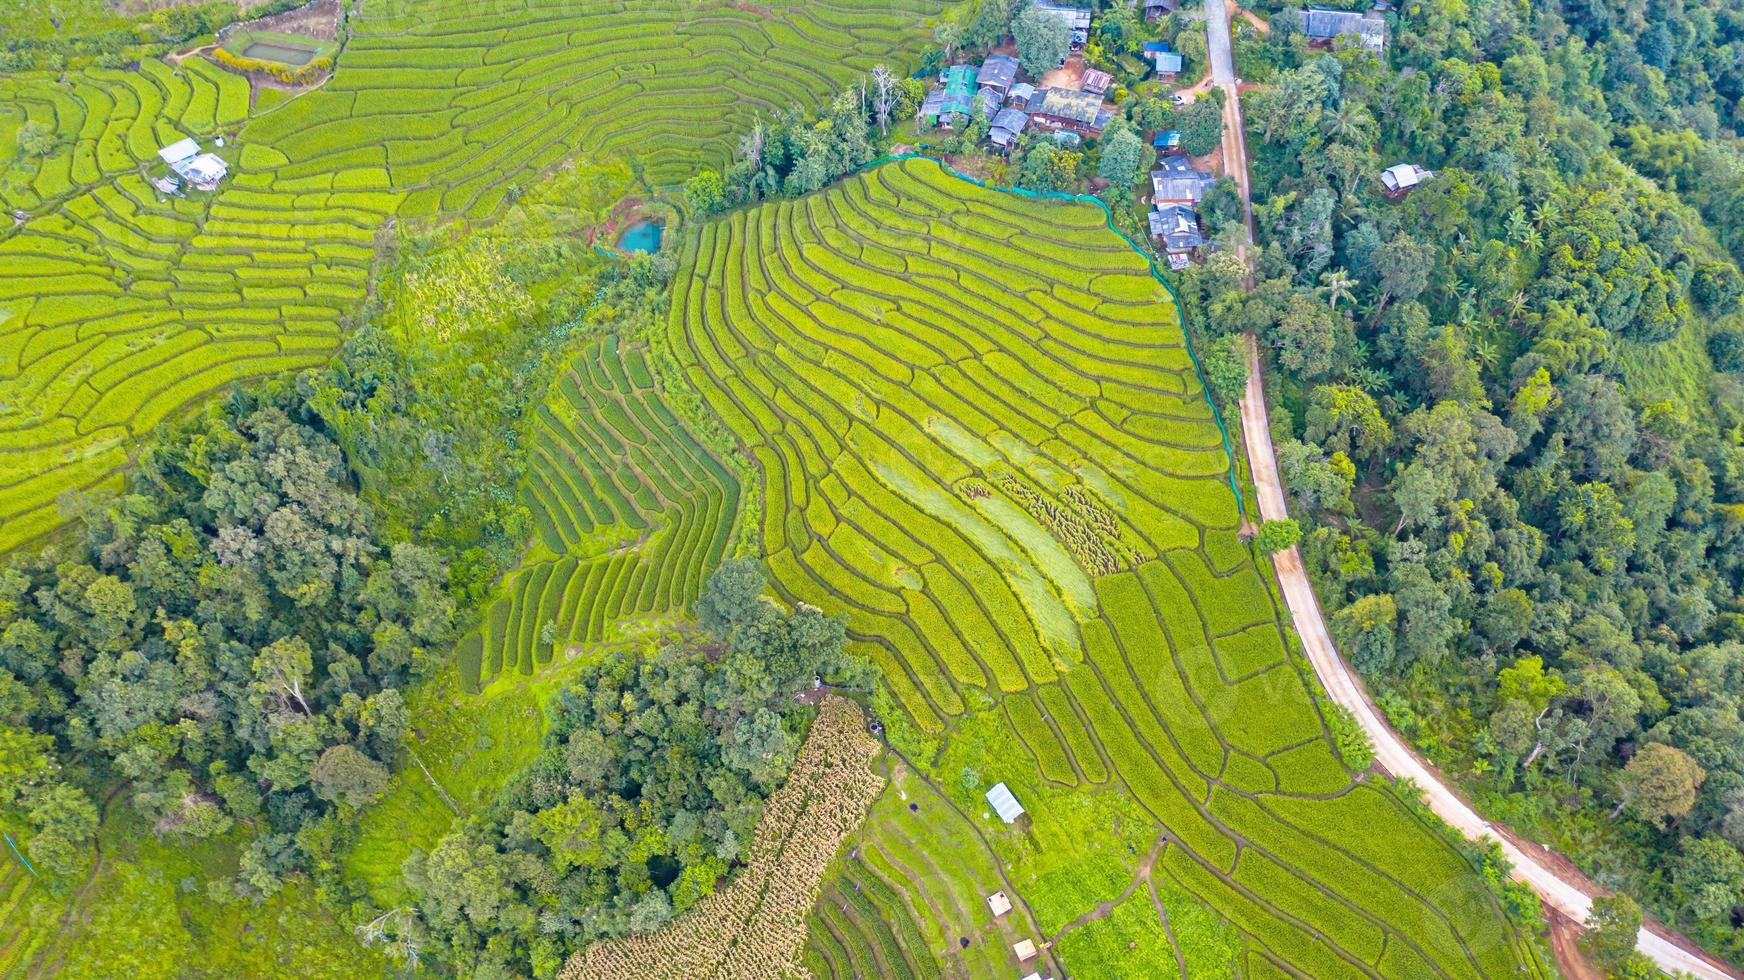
column 318, row 19
column 1565, row 944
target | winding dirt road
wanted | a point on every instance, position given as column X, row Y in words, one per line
column 1572, row 898
column 1342, row 686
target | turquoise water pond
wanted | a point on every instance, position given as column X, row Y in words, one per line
column 643, row 236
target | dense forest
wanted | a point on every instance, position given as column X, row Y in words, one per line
column 1508, row 409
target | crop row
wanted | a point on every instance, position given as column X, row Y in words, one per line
column 436, row 110
column 928, row 373
column 635, row 512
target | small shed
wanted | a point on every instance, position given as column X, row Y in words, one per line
column 999, row 904
column 1021, row 93
column 1167, row 141
column 1401, row 177
column 1003, row 803
column 998, row 73
column 1024, row 950
column 1097, row 81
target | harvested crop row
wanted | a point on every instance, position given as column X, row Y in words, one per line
column 756, row 926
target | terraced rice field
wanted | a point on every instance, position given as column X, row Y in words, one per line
column 117, row 310
column 633, row 515
column 984, row 444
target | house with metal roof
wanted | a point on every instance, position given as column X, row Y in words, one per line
column 1166, row 62
column 1325, row 26
column 1021, row 93
column 1167, row 141
column 1097, row 81
column 181, row 150
column 1064, row 108
column 954, row 95
column 1176, row 182
column 1398, row 180
column 1007, row 125
column 998, row 72
column 1177, row 227
column 202, row 170
column 1076, row 18
column 1003, row 803
column 998, row 904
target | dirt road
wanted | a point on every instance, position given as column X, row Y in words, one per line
column 1570, row 899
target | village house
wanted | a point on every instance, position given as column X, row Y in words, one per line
column 1176, row 228
column 1167, row 142
column 1069, row 109
column 203, row 171
column 1165, row 62
column 954, row 95
column 1398, row 180
column 1076, row 18
column 1097, row 81
column 1007, row 126
column 1176, row 182
column 1154, row 9
column 1021, row 93
column 1325, row 26
column 998, row 73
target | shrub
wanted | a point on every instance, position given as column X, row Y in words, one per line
column 1278, row 535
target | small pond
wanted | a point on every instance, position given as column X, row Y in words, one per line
column 282, row 53
column 643, row 236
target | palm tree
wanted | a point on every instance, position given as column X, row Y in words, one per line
column 1337, row 284
column 1370, row 379
column 1518, row 225
column 1515, row 305
column 1546, row 215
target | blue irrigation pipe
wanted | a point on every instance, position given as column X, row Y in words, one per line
column 10, row 843
column 1180, row 308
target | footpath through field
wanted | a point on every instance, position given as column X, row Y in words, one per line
column 1671, row 952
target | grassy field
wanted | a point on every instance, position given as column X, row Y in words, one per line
column 142, row 910
column 117, row 309
column 983, row 443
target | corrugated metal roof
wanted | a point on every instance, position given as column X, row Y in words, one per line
column 181, row 149
column 1004, row 803
column 998, row 71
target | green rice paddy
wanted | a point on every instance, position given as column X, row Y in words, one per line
column 947, row 390
column 632, row 513
column 118, row 309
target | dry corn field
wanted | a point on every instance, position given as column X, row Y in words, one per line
column 757, row 925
